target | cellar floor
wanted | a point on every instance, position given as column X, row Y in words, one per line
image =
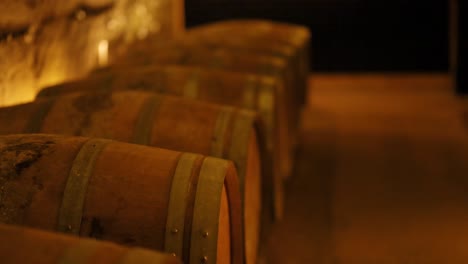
column 381, row 174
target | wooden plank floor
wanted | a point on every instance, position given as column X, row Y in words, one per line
column 381, row 174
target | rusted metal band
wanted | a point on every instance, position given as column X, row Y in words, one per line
column 243, row 125
column 250, row 92
column 222, row 123
column 79, row 253
column 191, row 87
column 204, row 237
column 178, row 200
column 144, row 125
column 35, row 122
column 74, row 195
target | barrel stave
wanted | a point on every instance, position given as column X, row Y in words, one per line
column 52, row 248
column 126, row 198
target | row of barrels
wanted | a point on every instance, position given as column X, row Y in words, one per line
column 229, row 91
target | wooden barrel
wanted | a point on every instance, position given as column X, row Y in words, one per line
column 292, row 34
column 24, row 245
column 161, row 121
column 257, row 45
column 182, row 203
column 270, row 33
column 249, row 91
column 186, row 53
column 256, row 32
column 227, row 57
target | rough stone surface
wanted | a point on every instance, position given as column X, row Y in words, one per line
column 51, row 41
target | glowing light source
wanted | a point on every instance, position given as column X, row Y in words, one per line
column 103, row 53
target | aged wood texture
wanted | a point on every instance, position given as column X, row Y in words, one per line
column 189, row 53
column 126, row 197
column 162, row 121
column 24, row 245
column 249, row 91
column 289, row 41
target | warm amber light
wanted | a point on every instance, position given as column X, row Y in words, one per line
column 24, row 92
column 72, row 42
column 103, row 53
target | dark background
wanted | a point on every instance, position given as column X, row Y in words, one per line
column 462, row 65
column 352, row 35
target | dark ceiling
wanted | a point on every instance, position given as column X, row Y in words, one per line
column 352, row 35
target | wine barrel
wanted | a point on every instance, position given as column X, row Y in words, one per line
column 25, row 245
column 162, row 121
column 294, row 35
column 264, row 33
column 185, row 204
column 257, row 45
column 249, row 91
column 179, row 52
column 271, row 33
column 227, row 58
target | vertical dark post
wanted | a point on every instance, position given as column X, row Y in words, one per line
column 459, row 45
